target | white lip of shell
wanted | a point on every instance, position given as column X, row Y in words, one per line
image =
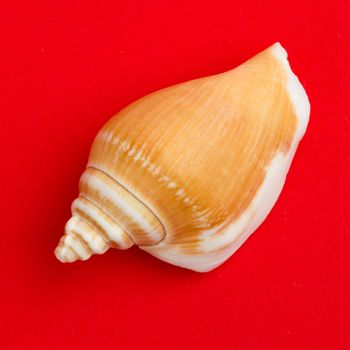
column 295, row 90
column 237, row 232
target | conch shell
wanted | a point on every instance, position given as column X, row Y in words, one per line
column 189, row 172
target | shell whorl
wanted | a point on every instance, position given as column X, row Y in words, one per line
column 106, row 215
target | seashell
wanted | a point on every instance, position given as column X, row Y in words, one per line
column 189, row 172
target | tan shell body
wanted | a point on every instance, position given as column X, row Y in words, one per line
column 189, row 172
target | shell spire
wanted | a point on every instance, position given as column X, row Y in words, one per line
column 106, row 215
column 189, row 172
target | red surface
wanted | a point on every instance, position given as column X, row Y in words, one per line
column 65, row 68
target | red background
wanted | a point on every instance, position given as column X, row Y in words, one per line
column 65, row 68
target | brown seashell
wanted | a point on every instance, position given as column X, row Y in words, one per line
column 189, row 172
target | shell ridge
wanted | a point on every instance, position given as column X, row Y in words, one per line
column 104, row 212
column 135, row 197
column 80, row 217
column 81, row 239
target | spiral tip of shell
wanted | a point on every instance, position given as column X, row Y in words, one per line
column 65, row 253
column 79, row 242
